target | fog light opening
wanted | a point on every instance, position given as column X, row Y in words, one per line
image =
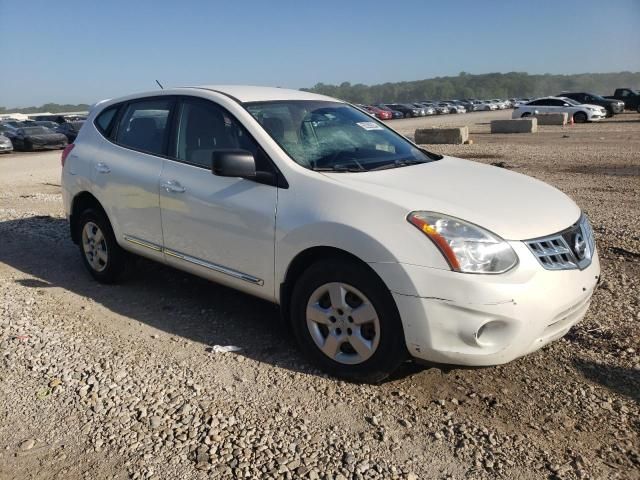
column 492, row 333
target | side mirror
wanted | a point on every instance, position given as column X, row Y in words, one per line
column 565, row 105
column 233, row 163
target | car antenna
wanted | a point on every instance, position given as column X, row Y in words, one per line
column 160, row 85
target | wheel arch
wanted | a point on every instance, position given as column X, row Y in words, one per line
column 79, row 204
column 304, row 260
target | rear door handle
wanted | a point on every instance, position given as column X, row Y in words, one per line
column 102, row 168
column 173, row 186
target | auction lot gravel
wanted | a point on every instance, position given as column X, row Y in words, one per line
column 123, row 381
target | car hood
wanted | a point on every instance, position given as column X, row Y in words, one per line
column 509, row 204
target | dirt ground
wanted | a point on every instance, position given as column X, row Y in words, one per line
column 121, row 381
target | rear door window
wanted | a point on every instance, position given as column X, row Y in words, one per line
column 144, row 125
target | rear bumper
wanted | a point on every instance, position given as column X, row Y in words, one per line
column 480, row 320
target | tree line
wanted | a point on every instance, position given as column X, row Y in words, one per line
column 465, row 85
column 484, row 86
column 48, row 107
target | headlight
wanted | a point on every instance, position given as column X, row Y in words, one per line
column 467, row 247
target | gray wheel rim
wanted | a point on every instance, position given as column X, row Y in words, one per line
column 343, row 323
column 95, row 246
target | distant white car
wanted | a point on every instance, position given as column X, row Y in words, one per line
column 517, row 102
column 355, row 231
column 487, row 105
column 580, row 112
column 453, row 107
column 499, row 103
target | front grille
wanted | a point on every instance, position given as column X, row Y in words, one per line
column 570, row 249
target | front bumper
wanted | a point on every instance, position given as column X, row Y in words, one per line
column 480, row 320
column 6, row 148
column 617, row 108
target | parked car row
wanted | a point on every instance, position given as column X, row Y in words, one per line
column 390, row 111
column 581, row 106
column 29, row 135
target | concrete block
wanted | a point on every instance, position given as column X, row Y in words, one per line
column 456, row 136
column 520, row 125
column 559, row 118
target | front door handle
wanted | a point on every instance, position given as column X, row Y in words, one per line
column 102, row 168
column 173, row 186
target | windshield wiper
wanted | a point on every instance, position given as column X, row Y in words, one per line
column 339, row 168
column 397, row 164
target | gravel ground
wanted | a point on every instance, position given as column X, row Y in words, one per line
column 125, row 381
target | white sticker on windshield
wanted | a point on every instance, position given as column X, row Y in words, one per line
column 369, row 125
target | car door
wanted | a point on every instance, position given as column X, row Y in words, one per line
column 126, row 175
column 218, row 227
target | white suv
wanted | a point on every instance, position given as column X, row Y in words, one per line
column 374, row 248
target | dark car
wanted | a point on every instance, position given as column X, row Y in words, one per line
column 69, row 130
column 50, row 118
column 611, row 106
column 35, row 138
column 394, row 113
column 44, row 123
column 629, row 96
column 406, row 109
column 8, row 130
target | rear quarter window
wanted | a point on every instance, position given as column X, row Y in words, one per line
column 104, row 121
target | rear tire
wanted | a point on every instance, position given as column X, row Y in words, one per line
column 580, row 117
column 525, row 114
column 361, row 321
column 105, row 260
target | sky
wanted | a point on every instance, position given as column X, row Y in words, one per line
column 82, row 51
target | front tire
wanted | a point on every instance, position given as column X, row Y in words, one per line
column 580, row 117
column 105, row 260
column 346, row 322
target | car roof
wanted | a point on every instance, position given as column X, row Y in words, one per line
column 248, row 93
column 240, row 93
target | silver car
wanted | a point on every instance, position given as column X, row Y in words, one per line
column 5, row 144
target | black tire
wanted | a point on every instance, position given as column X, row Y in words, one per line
column 117, row 258
column 391, row 350
column 580, row 117
column 525, row 114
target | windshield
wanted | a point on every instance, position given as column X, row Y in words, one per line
column 36, row 130
column 334, row 136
